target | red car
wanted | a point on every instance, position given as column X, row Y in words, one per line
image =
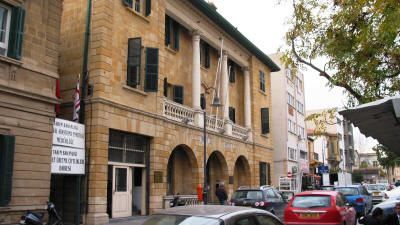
column 319, row 207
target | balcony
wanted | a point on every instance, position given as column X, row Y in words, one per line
column 184, row 114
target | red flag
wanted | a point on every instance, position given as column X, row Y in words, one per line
column 77, row 102
column 58, row 95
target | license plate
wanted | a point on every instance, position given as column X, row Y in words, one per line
column 309, row 215
column 376, row 193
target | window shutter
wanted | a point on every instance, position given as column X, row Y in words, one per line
column 134, row 61
column 232, row 74
column 16, row 33
column 202, row 101
column 148, row 7
column 232, row 114
column 264, row 120
column 6, row 168
column 269, row 173
column 151, row 84
column 176, row 35
column 207, row 54
column 128, row 3
column 263, row 173
column 178, row 94
column 167, row 30
column 165, row 87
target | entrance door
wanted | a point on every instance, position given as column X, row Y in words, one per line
column 122, row 192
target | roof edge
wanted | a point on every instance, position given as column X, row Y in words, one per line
column 211, row 13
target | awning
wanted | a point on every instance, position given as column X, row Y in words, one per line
column 379, row 119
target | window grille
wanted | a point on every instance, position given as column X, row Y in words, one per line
column 126, row 148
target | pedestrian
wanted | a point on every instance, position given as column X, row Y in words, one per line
column 375, row 219
column 394, row 218
column 221, row 194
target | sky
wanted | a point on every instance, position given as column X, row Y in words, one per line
column 263, row 23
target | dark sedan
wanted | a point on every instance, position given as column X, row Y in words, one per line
column 212, row 215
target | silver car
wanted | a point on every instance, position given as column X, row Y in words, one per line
column 212, row 215
column 377, row 192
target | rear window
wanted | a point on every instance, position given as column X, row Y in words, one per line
column 312, row 201
column 248, row 194
column 348, row 191
column 376, row 188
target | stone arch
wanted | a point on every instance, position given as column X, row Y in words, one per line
column 182, row 171
column 241, row 173
column 217, row 173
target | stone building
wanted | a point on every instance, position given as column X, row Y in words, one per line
column 149, row 70
column 28, row 73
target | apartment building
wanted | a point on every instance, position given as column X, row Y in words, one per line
column 153, row 68
column 289, row 127
column 348, row 139
column 28, row 72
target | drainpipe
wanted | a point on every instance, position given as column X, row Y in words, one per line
column 82, row 111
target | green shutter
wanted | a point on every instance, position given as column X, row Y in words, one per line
column 178, row 94
column 151, row 84
column 263, row 173
column 16, row 33
column 167, row 30
column 6, row 168
column 134, row 61
column 232, row 75
column 269, row 174
column 128, row 3
column 165, row 87
column 202, row 101
column 207, row 54
column 148, row 7
column 232, row 114
column 176, row 35
column 264, row 120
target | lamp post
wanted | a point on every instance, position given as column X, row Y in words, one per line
column 216, row 103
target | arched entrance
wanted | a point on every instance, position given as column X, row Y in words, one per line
column 182, row 171
column 241, row 173
column 217, row 173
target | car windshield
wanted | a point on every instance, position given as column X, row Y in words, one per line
column 312, row 201
column 326, row 188
column 376, row 187
column 247, row 194
column 347, row 191
column 181, row 220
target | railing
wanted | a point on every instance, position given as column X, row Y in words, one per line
column 189, row 199
column 214, row 123
column 178, row 112
column 239, row 131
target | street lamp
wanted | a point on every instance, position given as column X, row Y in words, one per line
column 216, row 103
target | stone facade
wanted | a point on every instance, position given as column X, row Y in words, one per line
column 112, row 105
column 27, row 106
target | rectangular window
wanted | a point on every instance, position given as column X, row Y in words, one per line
column 5, row 17
column 289, row 74
column 299, row 84
column 204, row 54
column 316, row 156
column 303, row 155
column 171, row 33
column 292, row 153
column 291, row 126
column 142, row 7
column 290, row 99
column 134, row 61
column 12, row 21
column 264, row 120
column 7, row 144
column 178, row 94
column 126, row 147
column 232, row 74
column 232, row 114
column 151, row 82
column 263, row 173
column 262, row 81
column 301, row 133
column 300, row 107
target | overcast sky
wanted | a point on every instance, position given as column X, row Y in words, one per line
column 263, row 23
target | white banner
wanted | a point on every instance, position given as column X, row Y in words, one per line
column 68, row 133
column 66, row 160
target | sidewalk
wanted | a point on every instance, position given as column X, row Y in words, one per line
column 133, row 220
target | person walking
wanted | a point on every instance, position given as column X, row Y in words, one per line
column 394, row 218
column 221, row 194
column 375, row 219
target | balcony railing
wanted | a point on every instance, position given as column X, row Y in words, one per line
column 181, row 113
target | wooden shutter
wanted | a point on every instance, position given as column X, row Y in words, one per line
column 232, row 75
column 165, row 87
column 176, row 35
column 151, row 68
column 167, row 30
column 134, row 61
column 264, row 120
column 232, row 114
column 263, row 180
column 269, row 174
column 178, row 94
column 148, row 7
column 6, row 168
column 207, row 54
column 202, row 101
column 128, row 3
column 16, row 33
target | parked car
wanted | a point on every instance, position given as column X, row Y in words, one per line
column 320, row 207
column 327, row 187
column 377, row 191
column 393, row 194
column 212, row 215
column 358, row 196
column 265, row 197
column 388, row 206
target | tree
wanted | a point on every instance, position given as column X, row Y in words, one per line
column 364, row 164
column 358, row 40
column 357, row 177
column 386, row 158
